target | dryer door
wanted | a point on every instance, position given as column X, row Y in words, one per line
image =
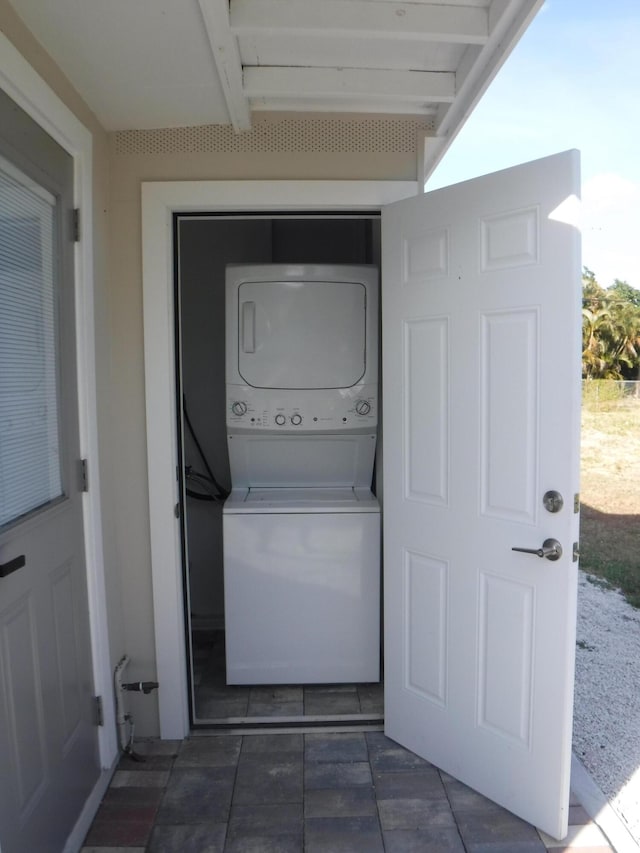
column 301, row 334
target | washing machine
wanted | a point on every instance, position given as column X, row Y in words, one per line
column 301, row 527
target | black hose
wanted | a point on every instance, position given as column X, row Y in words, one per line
column 195, row 478
column 199, row 496
column 222, row 492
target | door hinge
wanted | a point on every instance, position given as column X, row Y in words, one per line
column 84, row 475
column 176, row 510
column 98, row 711
column 75, row 224
column 576, row 502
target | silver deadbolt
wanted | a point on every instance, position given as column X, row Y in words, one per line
column 551, row 549
column 553, row 501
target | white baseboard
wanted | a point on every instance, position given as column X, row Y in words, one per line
column 80, row 830
column 600, row 810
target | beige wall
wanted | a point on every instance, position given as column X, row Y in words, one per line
column 32, row 51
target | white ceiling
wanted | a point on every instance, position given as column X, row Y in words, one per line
column 172, row 63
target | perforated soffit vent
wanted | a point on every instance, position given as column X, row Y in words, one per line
column 327, row 135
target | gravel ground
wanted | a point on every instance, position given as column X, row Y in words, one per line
column 606, row 729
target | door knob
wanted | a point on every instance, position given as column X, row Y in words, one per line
column 551, row 549
column 553, row 501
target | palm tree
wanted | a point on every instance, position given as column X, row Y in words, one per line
column 610, row 329
column 598, row 354
column 627, row 325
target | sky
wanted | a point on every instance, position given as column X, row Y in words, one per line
column 573, row 81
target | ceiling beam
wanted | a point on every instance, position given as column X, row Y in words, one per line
column 350, row 83
column 389, row 107
column 224, row 47
column 361, row 18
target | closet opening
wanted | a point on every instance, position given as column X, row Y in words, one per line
column 205, row 245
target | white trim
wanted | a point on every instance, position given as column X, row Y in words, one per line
column 31, row 92
column 83, row 824
column 369, row 84
column 600, row 809
column 159, row 202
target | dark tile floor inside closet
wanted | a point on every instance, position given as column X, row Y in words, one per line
column 215, row 700
column 348, row 792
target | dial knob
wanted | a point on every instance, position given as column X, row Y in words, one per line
column 363, row 407
column 280, row 419
column 239, row 408
column 296, row 420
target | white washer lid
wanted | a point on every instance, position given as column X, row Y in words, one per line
column 278, row 500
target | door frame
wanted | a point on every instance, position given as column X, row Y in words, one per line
column 25, row 86
column 160, row 201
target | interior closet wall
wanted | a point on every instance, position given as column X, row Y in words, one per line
column 205, row 247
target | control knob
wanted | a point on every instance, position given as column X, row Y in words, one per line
column 280, row 419
column 363, row 407
column 296, row 420
column 239, row 408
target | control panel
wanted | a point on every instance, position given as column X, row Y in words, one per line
column 301, row 410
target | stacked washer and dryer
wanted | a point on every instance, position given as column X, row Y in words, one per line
column 301, row 527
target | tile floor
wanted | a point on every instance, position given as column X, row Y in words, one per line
column 333, row 702
column 317, row 793
column 215, row 700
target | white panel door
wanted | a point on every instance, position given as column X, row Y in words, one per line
column 481, row 326
column 48, row 738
